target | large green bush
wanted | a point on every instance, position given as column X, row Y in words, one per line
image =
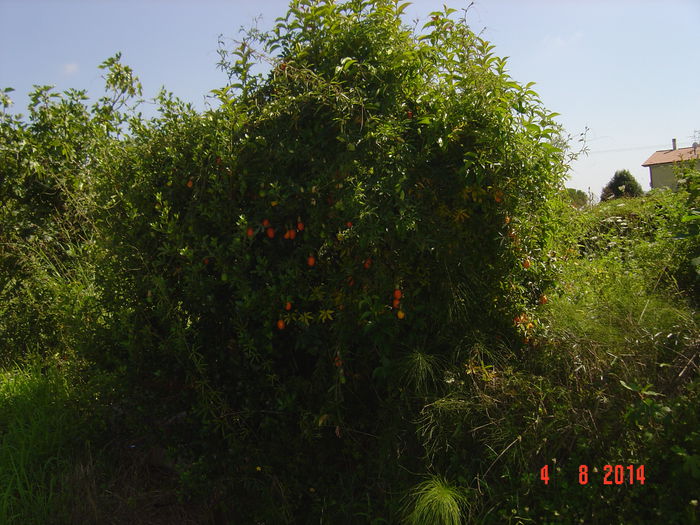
column 304, row 257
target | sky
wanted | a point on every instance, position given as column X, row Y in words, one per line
column 624, row 72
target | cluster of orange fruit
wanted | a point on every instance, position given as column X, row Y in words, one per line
column 290, row 233
column 280, row 322
column 396, row 303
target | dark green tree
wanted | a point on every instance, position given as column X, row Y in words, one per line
column 623, row 184
column 578, row 198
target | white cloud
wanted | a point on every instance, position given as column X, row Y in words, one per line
column 70, row 68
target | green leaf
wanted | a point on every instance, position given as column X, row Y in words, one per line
column 402, row 7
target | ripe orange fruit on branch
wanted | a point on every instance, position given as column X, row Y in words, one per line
column 367, row 263
column 250, row 232
column 300, row 226
column 270, row 232
column 280, row 324
column 520, row 319
column 190, row 183
column 288, row 306
column 292, row 235
column 396, row 303
column 311, row 260
column 348, row 224
column 265, row 223
column 398, row 294
column 400, row 314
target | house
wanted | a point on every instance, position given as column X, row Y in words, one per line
column 661, row 164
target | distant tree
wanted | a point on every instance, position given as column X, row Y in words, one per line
column 578, row 198
column 623, row 184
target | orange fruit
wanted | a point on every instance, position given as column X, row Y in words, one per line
column 280, row 324
column 395, row 303
column 189, row 183
column 397, row 294
column 526, row 263
column 265, row 223
column 270, row 232
column 286, row 234
column 249, row 232
column 543, row 299
column 300, row 226
column 206, row 260
column 288, row 306
column 292, row 235
column 400, row 314
column 348, row 224
column 368, row 263
column 311, row 260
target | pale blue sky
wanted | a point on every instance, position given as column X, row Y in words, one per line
column 627, row 70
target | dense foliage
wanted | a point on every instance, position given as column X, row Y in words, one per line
column 622, row 184
column 354, row 292
column 578, row 198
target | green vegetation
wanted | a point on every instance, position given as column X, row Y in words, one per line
column 623, row 184
column 356, row 292
column 578, row 198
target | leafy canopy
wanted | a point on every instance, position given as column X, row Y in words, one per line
column 622, row 184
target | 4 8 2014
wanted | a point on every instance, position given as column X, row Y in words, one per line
column 611, row 475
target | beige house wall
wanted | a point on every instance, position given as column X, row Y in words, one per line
column 662, row 175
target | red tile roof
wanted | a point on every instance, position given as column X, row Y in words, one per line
column 667, row 156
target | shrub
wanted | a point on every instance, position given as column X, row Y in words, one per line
column 577, row 198
column 623, row 184
column 293, row 252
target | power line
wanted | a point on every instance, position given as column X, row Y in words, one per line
column 628, row 149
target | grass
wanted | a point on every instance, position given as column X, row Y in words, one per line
column 436, row 502
column 38, row 433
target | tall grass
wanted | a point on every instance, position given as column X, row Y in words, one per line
column 38, row 430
